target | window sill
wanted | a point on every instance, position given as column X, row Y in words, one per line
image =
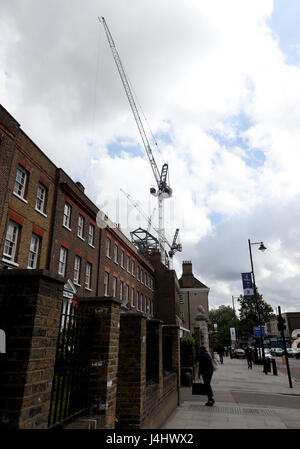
column 20, row 198
column 81, row 238
column 40, row 212
column 66, row 227
column 92, row 246
column 108, row 256
column 9, row 262
column 88, row 289
column 77, row 285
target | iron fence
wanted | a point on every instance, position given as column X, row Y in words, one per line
column 69, row 396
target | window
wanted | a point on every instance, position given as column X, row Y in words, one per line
column 80, row 226
column 132, row 268
column 122, row 259
column 142, row 302
column 115, row 254
column 181, row 299
column 106, row 280
column 138, row 273
column 20, row 182
column 77, row 266
column 33, row 251
column 142, row 276
column 121, row 290
column 114, row 292
column 67, row 216
column 62, row 261
column 137, row 301
column 132, row 297
column 126, row 294
column 128, row 264
column 41, row 198
column 107, row 249
column 88, row 275
column 91, row 234
column 11, row 240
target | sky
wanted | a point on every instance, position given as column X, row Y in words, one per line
column 218, row 83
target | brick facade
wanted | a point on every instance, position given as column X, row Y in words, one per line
column 131, row 268
column 17, row 151
column 72, row 194
column 30, row 303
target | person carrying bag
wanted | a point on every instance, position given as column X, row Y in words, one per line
column 206, row 370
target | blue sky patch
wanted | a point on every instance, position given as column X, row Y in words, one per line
column 284, row 23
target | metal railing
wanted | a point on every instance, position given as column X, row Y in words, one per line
column 69, row 396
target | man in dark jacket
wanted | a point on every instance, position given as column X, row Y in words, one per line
column 206, row 371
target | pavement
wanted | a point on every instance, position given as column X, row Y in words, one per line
column 244, row 399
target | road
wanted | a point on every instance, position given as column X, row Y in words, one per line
column 294, row 366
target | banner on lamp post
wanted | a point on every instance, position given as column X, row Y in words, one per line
column 232, row 334
column 247, row 285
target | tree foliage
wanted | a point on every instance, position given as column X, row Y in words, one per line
column 225, row 318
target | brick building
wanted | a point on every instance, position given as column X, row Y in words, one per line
column 27, row 189
column 193, row 293
column 124, row 273
column 74, row 252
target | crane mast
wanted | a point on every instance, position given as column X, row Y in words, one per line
column 164, row 190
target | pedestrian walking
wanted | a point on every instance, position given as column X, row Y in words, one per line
column 206, row 371
column 226, row 351
column 249, row 356
column 221, row 353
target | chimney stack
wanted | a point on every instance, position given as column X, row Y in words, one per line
column 187, row 267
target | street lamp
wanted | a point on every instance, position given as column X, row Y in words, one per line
column 261, row 248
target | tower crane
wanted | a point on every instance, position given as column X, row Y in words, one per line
column 163, row 189
column 173, row 247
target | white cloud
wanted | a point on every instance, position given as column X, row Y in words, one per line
column 197, row 68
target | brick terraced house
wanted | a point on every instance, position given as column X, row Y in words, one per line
column 123, row 326
column 124, row 273
column 74, row 250
column 27, row 189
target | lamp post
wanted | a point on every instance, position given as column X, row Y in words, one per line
column 261, row 248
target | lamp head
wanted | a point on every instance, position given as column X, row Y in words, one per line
column 262, row 247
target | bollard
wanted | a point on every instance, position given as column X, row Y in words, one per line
column 274, row 367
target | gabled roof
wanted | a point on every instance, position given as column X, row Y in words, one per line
column 189, row 281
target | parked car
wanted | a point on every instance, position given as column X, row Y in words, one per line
column 239, row 353
column 291, row 352
column 297, row 355
column 277, row 352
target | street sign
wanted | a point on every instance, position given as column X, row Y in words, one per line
column 247, row 285
column 256, row 331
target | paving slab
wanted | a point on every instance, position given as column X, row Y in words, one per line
column 245, row 399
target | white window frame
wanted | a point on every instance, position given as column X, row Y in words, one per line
column 91, row 234
column 121, row 290
column 142, row 302
column 132, row 297
column 80, row 226
column 107, row 247
column 106, row 283
column 114, row 287
column 41, row 198
column 133, row 268
column 20, row 182
column 62, row 264
column 128, row 264
column 11, row 241
column 77, row 269
column 116, row 253
column 126, row 294
column 122, row 259
column 67, row 215
column 137, row 301
column 33, row 252
column 88, row 275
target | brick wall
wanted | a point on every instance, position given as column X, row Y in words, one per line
column 17, row 150
column 30, row 305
